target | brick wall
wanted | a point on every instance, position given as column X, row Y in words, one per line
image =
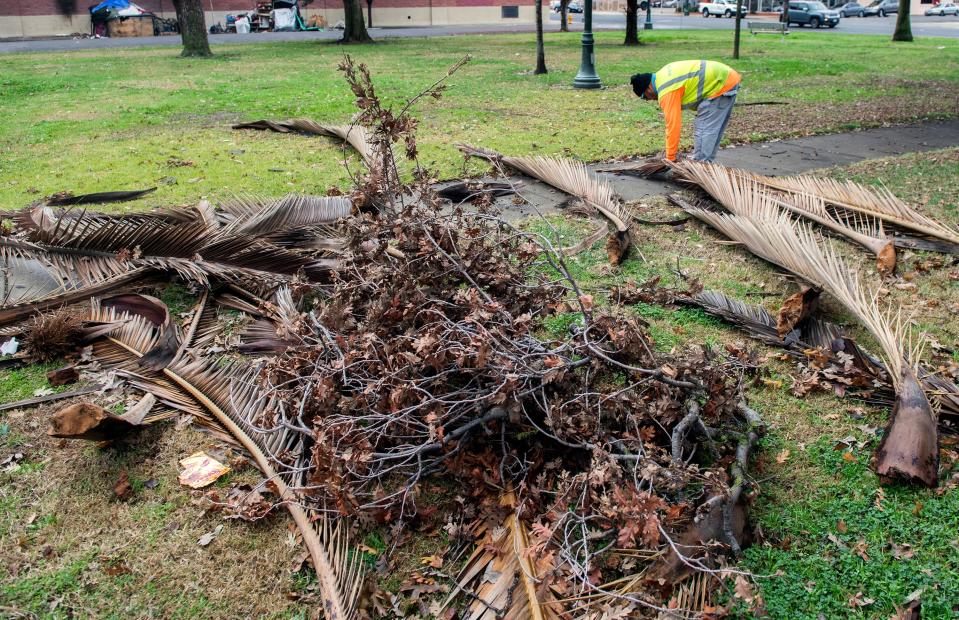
column 27, row 8
column 82, row 7
column 42, row 18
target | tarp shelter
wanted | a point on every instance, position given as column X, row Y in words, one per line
column 121, row 18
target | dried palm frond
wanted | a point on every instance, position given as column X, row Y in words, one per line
column 739, row 192
column 878, row 203
column 257, row 216
column 502, row 578
column 66, row 295
column 909, row 448
column 572, row 177
column 276, row 333
column 645, row 168
column 356, row 136
column 192, row 248
column 66, row 198
column 231, row 394
column 155, row 311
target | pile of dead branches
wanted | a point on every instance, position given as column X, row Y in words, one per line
column 409, row 341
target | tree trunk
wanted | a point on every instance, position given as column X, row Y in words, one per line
column 540, row 49
column 632, row 22
column 563, row 15
column 192, row 23
column 739, row 20
column 369, row 13
column 903, row 31
column 354, row 30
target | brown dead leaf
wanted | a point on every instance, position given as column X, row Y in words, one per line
column 783, row 456
column 880, row 496
column 433, row 561
column 122, row 489
column 860, row 549
column 841, row 527
column 860, row 600
column 902, row 552
column 744, row 590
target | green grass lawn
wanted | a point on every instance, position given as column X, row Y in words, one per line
column 101, row 120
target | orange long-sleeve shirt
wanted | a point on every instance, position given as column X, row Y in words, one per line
column 672, row 106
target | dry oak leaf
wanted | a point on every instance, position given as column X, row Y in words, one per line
column 744, row 590
column 783, row 456
column 860, row 600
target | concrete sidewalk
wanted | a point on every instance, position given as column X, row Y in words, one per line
column 781, row 157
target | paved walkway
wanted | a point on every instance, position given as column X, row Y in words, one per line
column 782, row 157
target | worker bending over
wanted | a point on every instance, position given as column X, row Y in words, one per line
column 707, row 86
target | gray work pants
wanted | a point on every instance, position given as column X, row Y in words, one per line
column 711, row 119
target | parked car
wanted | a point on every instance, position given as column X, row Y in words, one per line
column 881, row 8
column 722, row 8
column 572, row 7
column 813, row 13
column 851, row 9
column 946, row 8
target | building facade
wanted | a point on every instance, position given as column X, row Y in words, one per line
column 49, row 18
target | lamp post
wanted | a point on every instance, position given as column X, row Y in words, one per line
column 587, row 78
column 648, row 25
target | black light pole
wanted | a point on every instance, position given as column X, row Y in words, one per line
column 587, row 78
column 649, row 15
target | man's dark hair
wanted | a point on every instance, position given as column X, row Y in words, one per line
column 640, row 81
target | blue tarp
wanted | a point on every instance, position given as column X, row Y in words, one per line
column 111, row 4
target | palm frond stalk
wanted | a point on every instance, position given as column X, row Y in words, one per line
column 910, row 448
column 572, row 177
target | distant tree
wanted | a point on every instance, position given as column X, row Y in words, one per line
column 563, row 15
column 369, row 13
column 903, row 31
column 354, row 30
column 189, row 15
column 737, row 28
column 540, row 48
column 632, row 22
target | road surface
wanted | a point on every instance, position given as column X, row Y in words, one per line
column 664, row 19
column 667, row 19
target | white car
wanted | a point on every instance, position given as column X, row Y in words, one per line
column 946, row 8
column 722, row 8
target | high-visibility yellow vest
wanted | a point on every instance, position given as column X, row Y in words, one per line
column 703, row 79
